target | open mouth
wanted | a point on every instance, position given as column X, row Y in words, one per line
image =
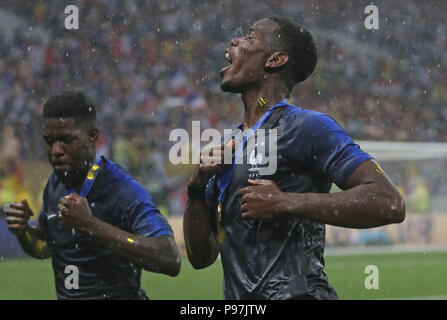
column 230, row 59
column 228, row 56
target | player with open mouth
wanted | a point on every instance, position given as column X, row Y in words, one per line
column 270, row 231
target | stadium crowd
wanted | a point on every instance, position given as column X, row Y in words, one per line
column 152, row 66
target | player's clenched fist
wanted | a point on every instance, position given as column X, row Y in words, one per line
column 74, row 211
column 211, row 161
column 17, row 216
column 261, row 200
column 217, row 155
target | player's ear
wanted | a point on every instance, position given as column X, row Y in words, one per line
column 277, row 59
column 93, row 135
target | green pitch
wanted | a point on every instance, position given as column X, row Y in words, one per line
column 401, row 276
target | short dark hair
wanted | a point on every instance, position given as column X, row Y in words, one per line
column 299, row 44
column 70, row 104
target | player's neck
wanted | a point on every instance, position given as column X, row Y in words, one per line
column 78, row 183
column 255, row 108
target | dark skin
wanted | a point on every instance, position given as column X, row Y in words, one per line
column 17, row 217
column 71, row 149
column 369, row 198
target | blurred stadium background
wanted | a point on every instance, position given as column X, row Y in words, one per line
column 152, row 66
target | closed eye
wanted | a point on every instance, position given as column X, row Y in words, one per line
column 250, row 34
column 49, row 141
column 64, row 139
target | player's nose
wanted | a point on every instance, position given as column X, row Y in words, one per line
column 57, row 149
column 234, row 42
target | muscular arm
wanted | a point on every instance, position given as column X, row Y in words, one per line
column 200, row 239
column 369, row 200
column 200, row 236
column 159, row 254
column 155, row 254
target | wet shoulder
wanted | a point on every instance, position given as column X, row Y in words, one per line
column 297, row 117
column 122, row 185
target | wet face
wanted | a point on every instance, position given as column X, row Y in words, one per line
column 70, row 148
column 247, row 57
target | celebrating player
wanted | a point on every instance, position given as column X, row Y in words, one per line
column 95, row 217
column 270, row 230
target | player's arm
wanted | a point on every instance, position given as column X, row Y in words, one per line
column 198, row 227
column 200, row 238
column 369, row 200
column 31, row 239
column 156, row 254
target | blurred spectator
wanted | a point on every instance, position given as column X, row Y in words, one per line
column 12, row 187
column 419, row 197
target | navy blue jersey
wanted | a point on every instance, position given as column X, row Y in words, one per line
column 118, row 199
column 283, row 258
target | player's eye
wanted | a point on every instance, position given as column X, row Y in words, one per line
column 49, row 141
column 67, row 139
column 250, row 35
